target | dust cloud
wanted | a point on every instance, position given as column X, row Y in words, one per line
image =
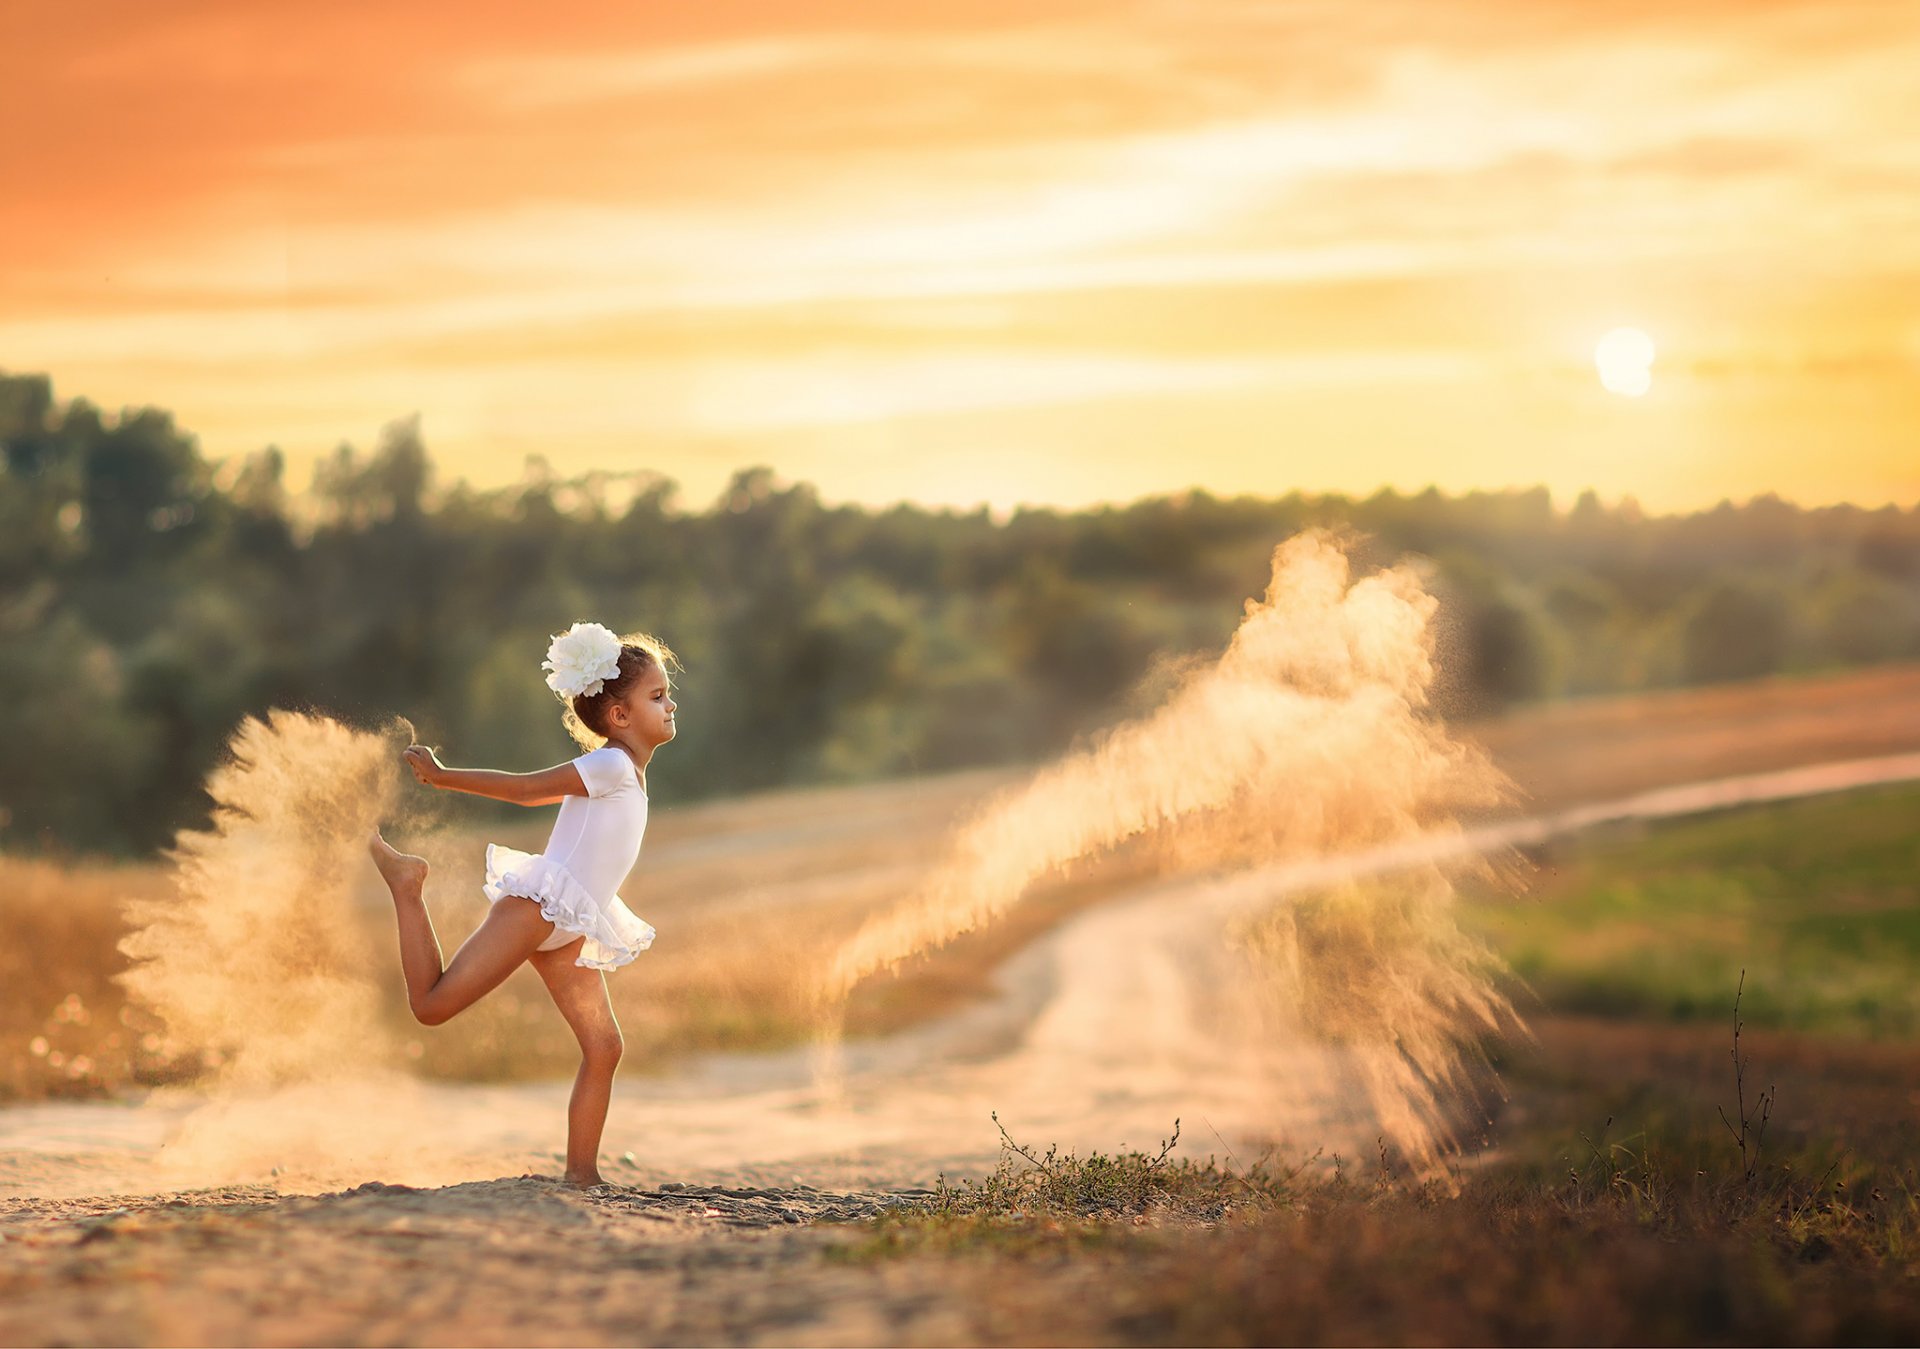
column 1309, row 738
column 263, row 963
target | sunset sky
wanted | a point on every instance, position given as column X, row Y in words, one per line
column 979, row 251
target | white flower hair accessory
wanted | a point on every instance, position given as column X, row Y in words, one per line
column 582, row 659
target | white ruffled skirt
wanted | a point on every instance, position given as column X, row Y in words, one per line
column 614, row 933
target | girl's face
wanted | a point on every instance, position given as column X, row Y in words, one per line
column 647, row 708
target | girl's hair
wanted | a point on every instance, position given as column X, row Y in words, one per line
column 585, row 716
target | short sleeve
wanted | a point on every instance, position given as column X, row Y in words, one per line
column 606, row 770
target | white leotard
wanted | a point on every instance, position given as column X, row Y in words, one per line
column 576, row 881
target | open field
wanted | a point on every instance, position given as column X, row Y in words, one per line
column 751, row 895
column 1592, row 749
column 1817, row 900
column 1603, row 1196
column 1607, row 1200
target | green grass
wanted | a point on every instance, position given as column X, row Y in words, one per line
column 1817, row 899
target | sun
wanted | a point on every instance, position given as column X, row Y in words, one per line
column 1624, row 358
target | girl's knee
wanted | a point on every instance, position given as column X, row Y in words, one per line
column 430, row 1013
column 603, row 1051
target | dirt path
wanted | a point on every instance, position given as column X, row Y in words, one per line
column 1098, row 1037
column 520, row 1261
column 526, row 1260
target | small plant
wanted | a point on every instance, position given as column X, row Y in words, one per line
column 1753, row 1123
column 1096, row 1185
column 1635, row 1176
column 1042, row 1200
column 1129, row 1184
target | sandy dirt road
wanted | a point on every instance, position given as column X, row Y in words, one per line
column 1098, row 1037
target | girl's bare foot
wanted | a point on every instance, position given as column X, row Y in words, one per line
column 404, row 873
column 583, row 1184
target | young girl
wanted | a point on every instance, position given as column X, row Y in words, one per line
column 619, row 707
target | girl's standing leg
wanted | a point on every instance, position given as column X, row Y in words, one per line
column 581, row 995
column 509, row 935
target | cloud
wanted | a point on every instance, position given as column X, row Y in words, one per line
column 1157, row 192
column 595, row 76
column 1714, row 157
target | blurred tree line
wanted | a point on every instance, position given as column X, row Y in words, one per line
column 149, row 598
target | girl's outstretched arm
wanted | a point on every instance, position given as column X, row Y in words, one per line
column 542, row 788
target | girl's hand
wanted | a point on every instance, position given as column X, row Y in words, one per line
column 425, row 764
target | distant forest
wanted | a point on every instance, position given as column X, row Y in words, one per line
column 150, row 597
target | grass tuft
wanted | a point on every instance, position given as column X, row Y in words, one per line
column 1053, row 1200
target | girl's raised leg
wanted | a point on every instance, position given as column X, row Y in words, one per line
column 581, row 995
column 509, row 935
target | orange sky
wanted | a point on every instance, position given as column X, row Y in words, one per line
column 984, row 251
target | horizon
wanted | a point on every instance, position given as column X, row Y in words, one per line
column 225, row 468
column 991, row 255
